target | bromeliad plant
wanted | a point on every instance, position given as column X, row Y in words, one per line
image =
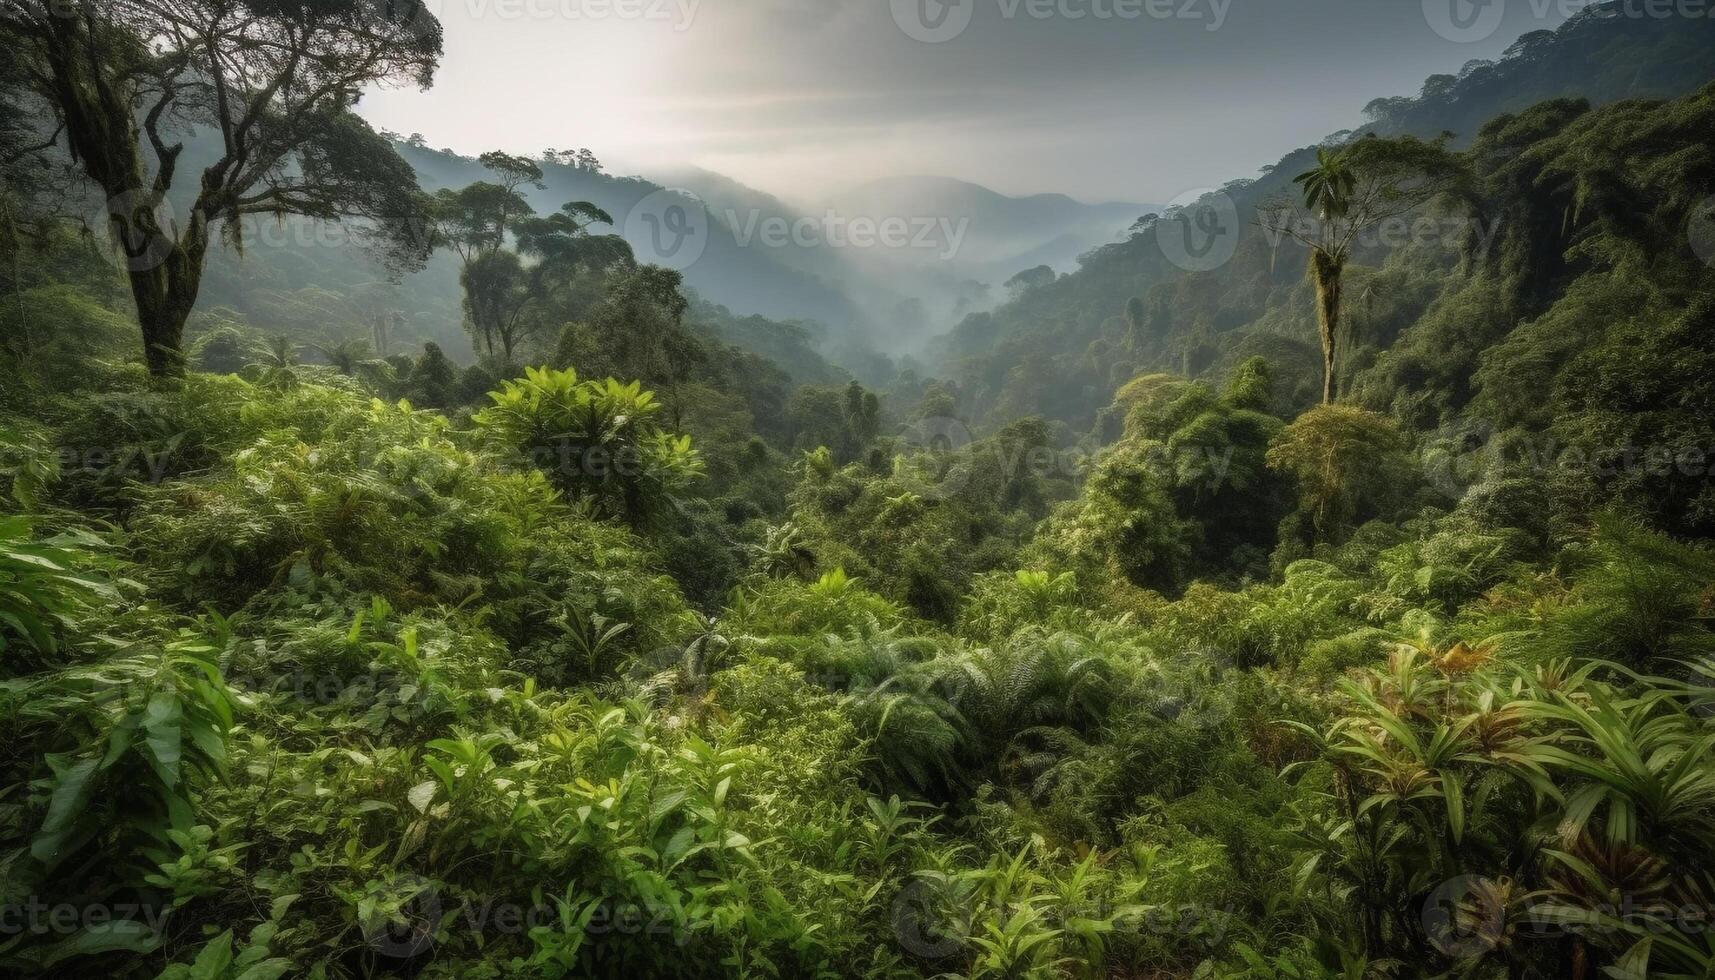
column 1556, row 795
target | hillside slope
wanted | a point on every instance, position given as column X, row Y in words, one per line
column 1073, row 332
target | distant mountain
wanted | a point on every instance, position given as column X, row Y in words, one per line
column 1076, row 335
column 1003, row 229
column 746, row 279
column 953, row 243
column 740, row 209
column 763, row 256
column 1605, row 54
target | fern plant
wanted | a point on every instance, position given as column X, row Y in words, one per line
column 44, row 582
column 594, row 440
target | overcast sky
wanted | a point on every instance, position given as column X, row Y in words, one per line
column 1134, row 100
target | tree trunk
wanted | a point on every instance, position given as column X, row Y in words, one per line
column 16, row 244
column 166, row 275
column 1326, row 271
column 101, row 126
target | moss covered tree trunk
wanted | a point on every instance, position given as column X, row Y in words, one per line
column 164, row 265
column 1325, row 270
column 165, row 280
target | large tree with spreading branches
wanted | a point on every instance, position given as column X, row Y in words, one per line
column 123, row 84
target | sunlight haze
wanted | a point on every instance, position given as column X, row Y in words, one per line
column 803, row 97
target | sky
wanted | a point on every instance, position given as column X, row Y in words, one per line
column 1103, row 100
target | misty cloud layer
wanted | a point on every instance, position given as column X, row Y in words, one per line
column 1117, row 99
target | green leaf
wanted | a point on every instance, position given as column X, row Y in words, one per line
column 423, row 794
column 161, row 725
column 267, row 970
column 1455, row 796
column 125, row 935
column 66, row 807
column 214, row 958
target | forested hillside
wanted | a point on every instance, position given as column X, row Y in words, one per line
column 315, row 283
column 1136, row 306
column 1344, row 609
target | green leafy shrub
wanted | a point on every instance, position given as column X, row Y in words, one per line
column 594, row 440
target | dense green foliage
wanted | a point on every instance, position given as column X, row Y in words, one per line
column 1562, row 143
column 450, row 719
column 653, row 645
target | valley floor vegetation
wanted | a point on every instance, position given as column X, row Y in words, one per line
column 652, row 644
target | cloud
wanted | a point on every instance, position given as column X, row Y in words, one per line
column 1036, row 95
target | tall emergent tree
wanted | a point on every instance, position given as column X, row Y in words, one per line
column 475, row 222
column 1349, row 192
column 275, row 80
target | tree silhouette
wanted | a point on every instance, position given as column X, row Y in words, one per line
column 277, row 83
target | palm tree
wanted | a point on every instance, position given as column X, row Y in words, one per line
column 278, row 354
column 1329, row 185
column 344, row 354
column 1328, row 189
column 1350, row 190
